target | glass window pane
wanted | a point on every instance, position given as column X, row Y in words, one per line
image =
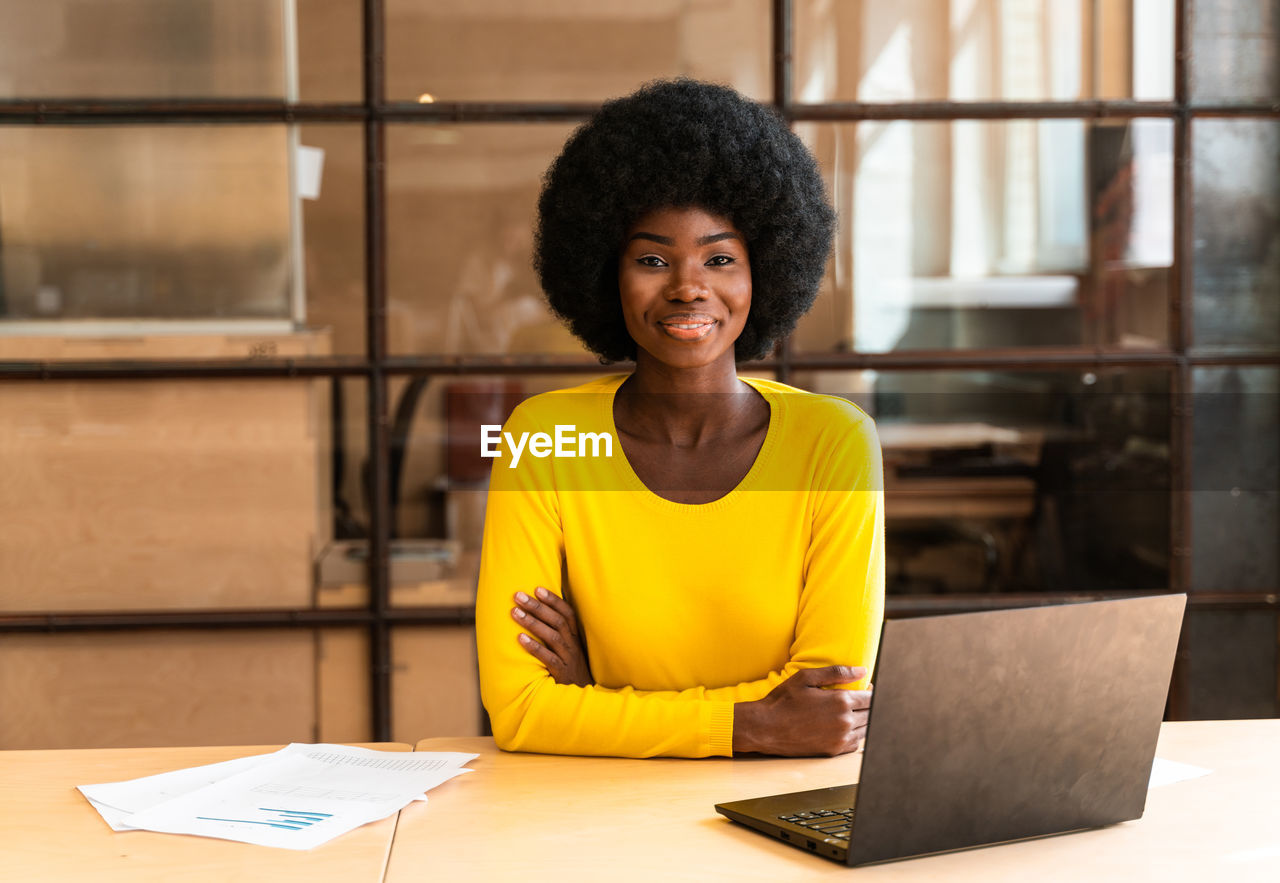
column 438, row 484
column 440, row 480
column 988, row 234
column 571, row 50
column 1235, row 479
column 144, row 48
column 443, row 477
column 1232, row 664
column 161, row 222
column 262, row 49
column 163, row 494
column 461, row 202
column 1235, row 50
column 982, row 50
column 330, row 50
column 341, row 572
column 329, row 176
column 1236, row 213
column 207, row 241
column 1019, row 481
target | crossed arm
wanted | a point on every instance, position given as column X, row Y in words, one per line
column 800, row 716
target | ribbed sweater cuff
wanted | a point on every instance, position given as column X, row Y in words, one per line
column 720, row 728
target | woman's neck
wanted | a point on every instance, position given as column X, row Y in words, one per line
column 682, row 406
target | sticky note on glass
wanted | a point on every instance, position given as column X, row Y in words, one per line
column 309, row 166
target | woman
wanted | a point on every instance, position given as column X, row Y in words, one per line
column 702, row 589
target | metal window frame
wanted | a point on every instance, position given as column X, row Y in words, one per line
column 377, row 365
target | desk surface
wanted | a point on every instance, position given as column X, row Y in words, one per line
column 48, row 831
column 570, row 818
column 537, row 817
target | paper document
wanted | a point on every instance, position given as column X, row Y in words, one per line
column 1166, row 772
column 296, row 798
column 116, row 801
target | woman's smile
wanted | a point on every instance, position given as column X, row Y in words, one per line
column 688, row 327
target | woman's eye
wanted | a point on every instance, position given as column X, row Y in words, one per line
column 720, row 260
column 650, row 260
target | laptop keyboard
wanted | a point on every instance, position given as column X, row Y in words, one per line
column 832, row 824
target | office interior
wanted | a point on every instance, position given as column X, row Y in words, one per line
column 265, row 267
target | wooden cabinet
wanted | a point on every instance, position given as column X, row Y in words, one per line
column 169, row 494
column 435, row 686
column 162, row 494
column 152, row 688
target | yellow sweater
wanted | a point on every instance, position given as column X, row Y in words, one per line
column 686, row 609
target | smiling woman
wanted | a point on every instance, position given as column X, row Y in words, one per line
column 687, row 228
column 684, row 278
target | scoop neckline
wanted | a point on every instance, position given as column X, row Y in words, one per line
column 635, row 483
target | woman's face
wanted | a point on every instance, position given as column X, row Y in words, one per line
column 685, row 282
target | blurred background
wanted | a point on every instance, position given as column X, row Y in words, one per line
column 265, row 266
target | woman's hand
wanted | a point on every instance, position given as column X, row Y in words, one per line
column 799, row 718
column 553, row 623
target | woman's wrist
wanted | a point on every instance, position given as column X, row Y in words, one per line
column 746, row 728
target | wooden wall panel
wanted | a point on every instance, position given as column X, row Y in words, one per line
column 435, row 688
column 136, row 689
column 342, row 679
column 160, row 494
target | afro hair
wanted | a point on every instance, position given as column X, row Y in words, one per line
column 676, row 144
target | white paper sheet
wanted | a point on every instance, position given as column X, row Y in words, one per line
column 116, row 801
column 1166, row 772
column 296, row 798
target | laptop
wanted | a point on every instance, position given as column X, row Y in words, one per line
column 994, row 726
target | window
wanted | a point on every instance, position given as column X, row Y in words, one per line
column 258, row 258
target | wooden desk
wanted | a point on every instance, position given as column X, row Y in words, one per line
column 48, row 830
column 535, row 817
column 955, row 496
column 899, row 437
column 567, row 818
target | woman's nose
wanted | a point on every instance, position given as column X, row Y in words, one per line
column 687, row 284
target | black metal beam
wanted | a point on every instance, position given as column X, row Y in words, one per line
column 182, row 619
column 193, row 369
column 1031, row 359
column 1020, row 358
column 896, row 605
column 1261, row 110
column 945, row 111
column 937, row 605
column 783, row 61
column 1180, row 339
column 101, row 112
column 486, row 112
column 90, row 112
column 375, row 254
